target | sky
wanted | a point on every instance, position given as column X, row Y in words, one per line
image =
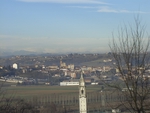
column 66, row 26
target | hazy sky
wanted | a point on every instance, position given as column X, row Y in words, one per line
column 66, row 25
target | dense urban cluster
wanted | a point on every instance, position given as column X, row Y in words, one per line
column 51, row 70
column 60, row 69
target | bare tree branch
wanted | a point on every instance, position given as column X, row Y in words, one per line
column 130, row 51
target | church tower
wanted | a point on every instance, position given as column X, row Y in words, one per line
column 82, row 96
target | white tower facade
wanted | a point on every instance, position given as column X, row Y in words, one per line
column 82, row 96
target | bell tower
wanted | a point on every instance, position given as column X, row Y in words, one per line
column 82, row 96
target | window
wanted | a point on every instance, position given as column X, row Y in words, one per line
column 82, row 91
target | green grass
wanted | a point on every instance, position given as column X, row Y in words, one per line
column 26, row 91
column 94, row 63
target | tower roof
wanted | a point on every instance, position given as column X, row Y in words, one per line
column 81, row 75
column 81, row 78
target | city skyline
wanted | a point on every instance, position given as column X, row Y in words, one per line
column 66, row 25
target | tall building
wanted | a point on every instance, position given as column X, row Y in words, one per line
column 82, row 96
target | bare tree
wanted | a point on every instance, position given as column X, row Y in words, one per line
column 130, row 52
column 13, row 104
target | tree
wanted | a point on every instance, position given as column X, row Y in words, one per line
column 130, row 52
column 12, row 104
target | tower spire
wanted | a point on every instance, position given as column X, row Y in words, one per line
column 81, row 83
column 81, row 74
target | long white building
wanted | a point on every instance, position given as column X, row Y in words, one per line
column 69, row 83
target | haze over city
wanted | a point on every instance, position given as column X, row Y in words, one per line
column 66, row 25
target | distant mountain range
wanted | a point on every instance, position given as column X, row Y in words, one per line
column 20, row 52
column 7, row 53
